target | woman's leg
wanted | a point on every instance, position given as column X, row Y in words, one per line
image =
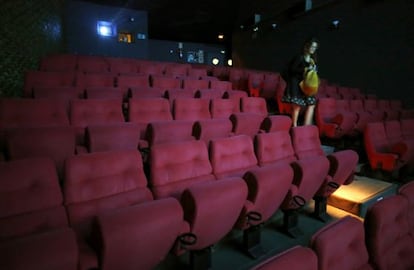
column 295, row 114
column 309, row 114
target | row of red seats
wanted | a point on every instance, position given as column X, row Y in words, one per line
column 337, row 118
column 384, row 240
column 97, row 182
column 390, row 145
column 242, row 79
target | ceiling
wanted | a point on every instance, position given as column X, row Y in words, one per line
column 185, row 20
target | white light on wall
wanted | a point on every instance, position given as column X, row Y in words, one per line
column 106, row 29
column 230, row 62
column 215, row 61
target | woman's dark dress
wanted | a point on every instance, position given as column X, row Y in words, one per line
column 293, row 93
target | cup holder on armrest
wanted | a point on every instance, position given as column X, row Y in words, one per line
column 299, row 200
column 253, row 216
column 187, row 239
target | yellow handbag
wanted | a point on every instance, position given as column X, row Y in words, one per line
column 310, row 83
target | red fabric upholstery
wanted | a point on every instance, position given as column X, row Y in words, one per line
column 306, row 143
column 92, row 64
column 220, row 85
column 165, row 82
column 120, row 65
column 59, row 62
column 341, row 245
column 331, row 122
column 370, row 105
column 94, row 111
column 142, row 111
column 99, row 182
column 160, row 132
column 235, row 94
column 232, row 156
column 36, row 78
column 407, row 190
column 122, row 136
column 276, row 123
column 33, row 222
column 140, row 236
column 95, row 80
column 191, row 109
column 54, row 249
column 177, row 70
column 65, row 93
column 57, row 143
column 125, row 81
column 209, row 93
column 195, row 84
column 254, row 105
column 223, row 108
column 295, row 258
column 379, row 149
column 238, row 78
column 175, row 93
column 274, row 147
column 145, row 92
column 31, row 200
column 255, row 81
column 266, row 192
column 389, row 242
column 209, row 129
column 98, row 92
column 212, row 208
column 364, row 117
column 175, row 166
column 247, row 123
column 152, row 68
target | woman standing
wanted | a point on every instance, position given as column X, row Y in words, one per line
column 298, row 66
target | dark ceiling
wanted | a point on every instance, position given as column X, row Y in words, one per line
column 185, row 20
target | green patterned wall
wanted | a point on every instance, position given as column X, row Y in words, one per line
column 30, row 29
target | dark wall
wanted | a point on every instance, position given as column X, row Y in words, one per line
column 81, row 30
column 30, row 30
column 373, row 48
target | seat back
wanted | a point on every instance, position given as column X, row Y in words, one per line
column 274, row 147
column 341, row 245
column 117, row 136
column 101, row 181
column 36, row 78
column 56, row 143
column 165, row 82
column 274, row 123
column 223, row 108
column 407, row 190
column 306, row 141
column 30, row 198
column 232, row 156
column 191, row 109
column 176, row 166
column 160, row 132
column 220, row 85
column 145, row 110
column 195, row 84
column 126, row 81
column 389, row 242
column 209, row 129
column 254, row 105
column 59, row 62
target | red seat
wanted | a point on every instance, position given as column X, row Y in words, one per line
column 94, row 111
column 195, row 84
column 209, row 129
column 232, row 156
column 387, row 232
column 134, row 239
column 342, row 164
column 34, row 232
column 209, row 93
column 238, row 78
column 274, row 123
column 364, row 117
column 381, row 154
column 176, row 70
column 165, row 82
column 211, row 207
column 97, row 183
column 341, row 245
column 105, row 93
column 92, row 64
column 192, row 109
column 122, row 65
column 255, row 83
column 276, row 148
column 198, row 72
column 407, row 190
column 85, row 81
column 108, row 137
column 331, row 122
column 161, row 132
column 172, row 94
column 59, row 62
column 35, row 79
column 129, row 81
column 142, row 111
column 145, row 92
column 295, row 258
column 223, row 108
column 220, row 85
column 56, row 143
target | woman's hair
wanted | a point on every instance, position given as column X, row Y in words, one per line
column 308, row 42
